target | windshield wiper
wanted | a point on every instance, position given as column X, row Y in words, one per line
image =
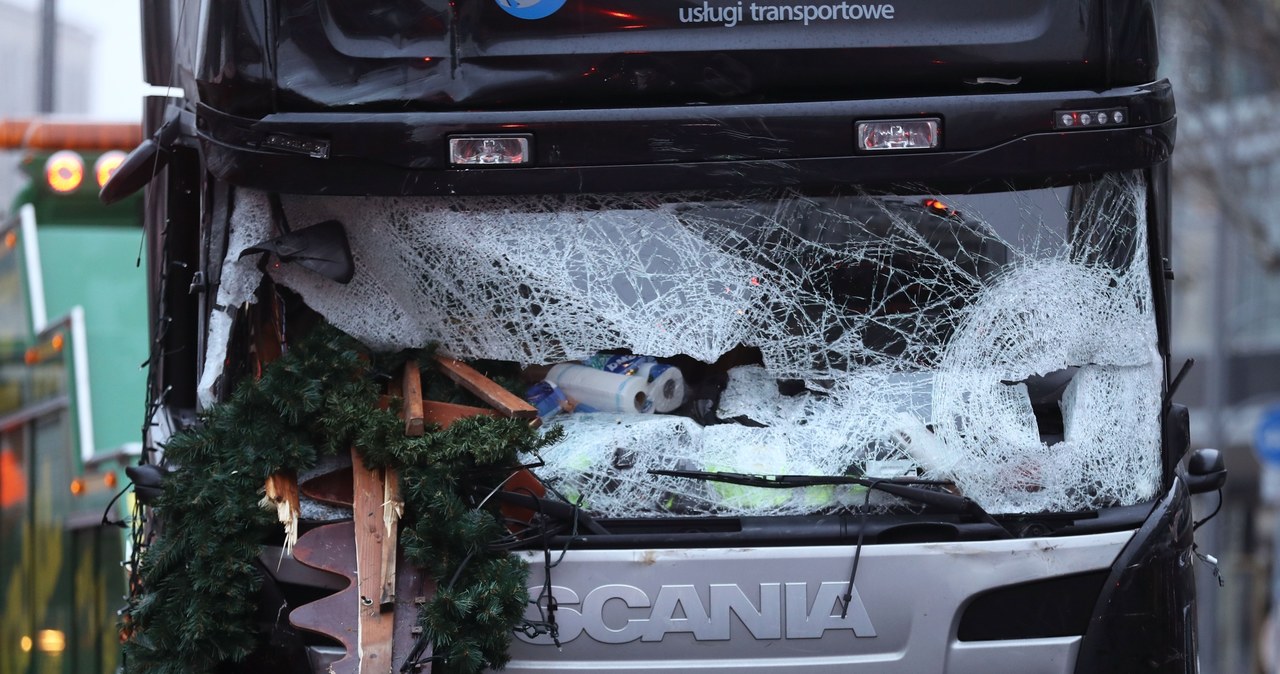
column 908, row 489
column 905, row 489
column 557, row 510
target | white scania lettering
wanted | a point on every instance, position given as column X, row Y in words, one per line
column 681, row 609
column 683, row 598
column 762, row 623
column 593, row 613
column 805, row 624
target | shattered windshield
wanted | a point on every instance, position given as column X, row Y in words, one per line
column 1000, row 340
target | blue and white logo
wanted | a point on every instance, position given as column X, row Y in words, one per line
column 530, row 9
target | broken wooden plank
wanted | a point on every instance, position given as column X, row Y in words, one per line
column 444, row 414
column 281, row 494
column 524, row 482
column 392, row 510
column 375, row 627
column 411, row 385
column 507, row 403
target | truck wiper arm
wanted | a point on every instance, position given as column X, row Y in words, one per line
column 904, row 489
column 564, row 512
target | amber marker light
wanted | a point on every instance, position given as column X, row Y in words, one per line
column 77, row 486
column 941, row 208
column 106, row 166
column 64, row 171
column 110, row 480
column 51, row 641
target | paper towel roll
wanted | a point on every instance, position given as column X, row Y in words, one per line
column 665, row 385
column 605, row 391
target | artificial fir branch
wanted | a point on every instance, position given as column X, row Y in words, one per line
column 197, row 606
column 470, row 629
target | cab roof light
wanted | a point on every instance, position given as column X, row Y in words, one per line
column 1089, row 119
column 898, row 134
column 64, row 171
column 496, row 150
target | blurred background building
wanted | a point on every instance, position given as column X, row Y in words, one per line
column 20, row 54
column 20, row 84
column 1224, row 59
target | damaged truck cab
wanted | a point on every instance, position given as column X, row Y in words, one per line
column 850, row 321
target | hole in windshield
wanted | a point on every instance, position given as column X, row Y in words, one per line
column 1002, row 341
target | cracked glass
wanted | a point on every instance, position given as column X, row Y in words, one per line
column 1003, row 340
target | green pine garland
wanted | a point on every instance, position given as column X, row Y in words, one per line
column 196, row 608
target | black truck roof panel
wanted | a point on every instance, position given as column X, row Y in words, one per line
column 384, row 55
